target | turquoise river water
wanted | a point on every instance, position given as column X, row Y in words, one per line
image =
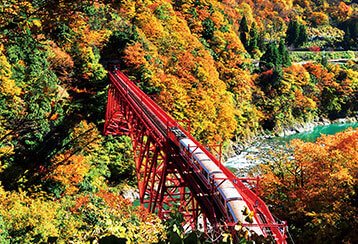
column 317, row 131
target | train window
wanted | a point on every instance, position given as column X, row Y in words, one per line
column 229, row 211
column 234, row 198
column 177, row 132
column 206, row 159
column 212, row 173
column 222, row 201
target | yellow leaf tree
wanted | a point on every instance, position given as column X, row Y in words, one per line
column 315, row 189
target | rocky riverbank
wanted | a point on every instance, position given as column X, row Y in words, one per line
column 306, row 127
column 241, row 157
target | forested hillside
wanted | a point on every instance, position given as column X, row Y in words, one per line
column 224, row 65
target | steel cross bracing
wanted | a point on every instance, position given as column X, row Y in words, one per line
column 173, row 168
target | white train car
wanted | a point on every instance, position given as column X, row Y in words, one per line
column 234, row 203
column 230, row 198
column 200, row 159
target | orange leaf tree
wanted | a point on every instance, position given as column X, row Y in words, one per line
column 315, row 189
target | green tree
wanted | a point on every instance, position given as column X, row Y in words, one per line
column 347, row 38
column 261, row 41
column 244, row 29
column 243, row 25
column 271, row 58
column 350, row 28
column 282, row 49
column 208, row 28
column 4, row 235
column 324, row 60
column 302, row 36
column 292, row 33
column 254, row 39
column 119, row 40
column 296, row 34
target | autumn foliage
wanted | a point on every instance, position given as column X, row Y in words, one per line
column 61, row 179
column 315, row 189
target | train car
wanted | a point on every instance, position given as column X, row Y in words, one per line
column 233, row 202
column 207, row 167
column 229, row 197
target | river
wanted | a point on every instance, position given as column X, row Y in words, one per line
column 259, row 151
column 317, row 131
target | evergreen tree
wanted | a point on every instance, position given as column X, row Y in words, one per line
column 209, row 28
column 277, row 77
column 346, row 39
column 302, row 35
column 261, row 42
column 243, row 25
column 178, row 4
column 324, row 61
column 254, row 39
column 282, row 49
column 350, row 28
column 292, row 33
column 296, row 34
column 271, row 58
column 244, row 29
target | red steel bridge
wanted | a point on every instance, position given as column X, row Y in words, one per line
column 175, row 170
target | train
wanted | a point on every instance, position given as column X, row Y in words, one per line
column 229, row 198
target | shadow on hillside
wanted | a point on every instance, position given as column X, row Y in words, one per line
column 27, row 165
column 24, row 171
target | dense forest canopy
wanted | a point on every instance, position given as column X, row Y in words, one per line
column 224, row 65
column 315, row 190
